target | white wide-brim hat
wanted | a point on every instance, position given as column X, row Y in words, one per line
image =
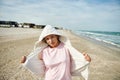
column 48, row 30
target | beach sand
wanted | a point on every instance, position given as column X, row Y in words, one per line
column 16, row 42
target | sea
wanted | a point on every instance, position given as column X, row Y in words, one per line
column 109, row 37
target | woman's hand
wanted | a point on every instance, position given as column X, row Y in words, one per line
column 87, row 57
column 23, row 59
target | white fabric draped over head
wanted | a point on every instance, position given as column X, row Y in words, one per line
column 48, row 30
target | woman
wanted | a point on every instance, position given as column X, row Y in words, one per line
column 58, row 56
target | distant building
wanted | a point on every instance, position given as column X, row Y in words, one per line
column 22, row 25
column 8, row 24
column 39, row 26
column 58, row 28
column 28, row 25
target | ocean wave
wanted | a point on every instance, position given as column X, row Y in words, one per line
column 106, row 37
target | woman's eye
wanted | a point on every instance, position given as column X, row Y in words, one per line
column 46, row 39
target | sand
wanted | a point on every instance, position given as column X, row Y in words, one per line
column 16, row 42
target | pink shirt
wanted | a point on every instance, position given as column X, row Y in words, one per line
column 57, row 62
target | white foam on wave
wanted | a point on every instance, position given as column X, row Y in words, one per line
column 109, row 39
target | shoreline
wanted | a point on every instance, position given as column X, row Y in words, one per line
column 99, row 43
column 104, row 66
column 109, row 42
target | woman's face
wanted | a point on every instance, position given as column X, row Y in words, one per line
column 52, row 40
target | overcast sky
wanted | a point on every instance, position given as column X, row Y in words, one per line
column 72, row 14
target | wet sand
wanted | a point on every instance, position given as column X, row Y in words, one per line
column 16, row 42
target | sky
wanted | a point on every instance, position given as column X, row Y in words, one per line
column 100, row 15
